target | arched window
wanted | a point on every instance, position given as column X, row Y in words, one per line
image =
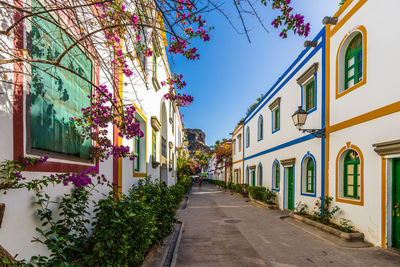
column 247, row 137
column 260, row 128
column 353, row 62
column 310, row 175
column 260, row 175
column 275, row 176
column 352, row 175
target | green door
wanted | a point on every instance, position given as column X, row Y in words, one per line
column 290, row 188
column 396, row 204
column 253, row 177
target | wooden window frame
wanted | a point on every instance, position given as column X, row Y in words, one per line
column 339, row 196
column 340, row 64
column 357, row 61
column 311, row 85
column 310, row 180
column 355, row 184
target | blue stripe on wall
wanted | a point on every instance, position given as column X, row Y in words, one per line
column 287, row 144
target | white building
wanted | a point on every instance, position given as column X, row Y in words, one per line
column 363, row 118
column 237, row 154
column 27, row 130
column 278, row 156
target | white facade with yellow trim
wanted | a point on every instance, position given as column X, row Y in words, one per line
column 363, row 117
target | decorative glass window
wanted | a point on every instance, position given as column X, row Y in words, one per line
column 310, row 96
column 260, row 127
column 354, row 62
column 260, row 175
column 276, row 119
column 57, row 94
column 310, row 175
column 247, row 137
column 275, row 176
column 154, row 145
column 352, row 175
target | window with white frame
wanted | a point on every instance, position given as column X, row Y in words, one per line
column 139, row 147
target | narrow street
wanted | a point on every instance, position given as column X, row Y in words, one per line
column 223, row 230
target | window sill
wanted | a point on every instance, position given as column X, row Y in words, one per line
column 274, row 131
column 354, row 87
column 276, row 189
column 359, row 202
column 260, row 139
column 308, row 194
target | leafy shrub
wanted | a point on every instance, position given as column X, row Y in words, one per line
column 124, row 229
column 324, row 213
column 257, row 192
column 230, row 185
column 346, row 225
column 301, row 208
column 269, row 196
column 219, row 183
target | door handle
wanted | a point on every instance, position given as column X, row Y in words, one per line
column 396, row 207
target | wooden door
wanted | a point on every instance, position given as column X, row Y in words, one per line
column 290, row 188
column 396, row 204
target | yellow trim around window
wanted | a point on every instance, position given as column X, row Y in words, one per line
column 363, row 31
column 360, row 202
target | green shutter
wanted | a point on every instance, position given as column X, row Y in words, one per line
column 57, row 94
column 351, row 181
column 137, row 154
column 353, row 62
column 310, row 176
column 310, row 96
column 154, row 145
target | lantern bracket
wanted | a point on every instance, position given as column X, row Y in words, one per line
column 319, row 133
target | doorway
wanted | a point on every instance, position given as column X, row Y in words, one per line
column 396, row 204
column 253, row 177
column 290, row 188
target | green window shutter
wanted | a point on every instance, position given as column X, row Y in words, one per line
column 154, row 145
column 137, row 154
column 354, row 62
column 310, row 96
column 57, row 94
column 310, row 176
column 276, row 173
column 276, row 118
column 352, row 173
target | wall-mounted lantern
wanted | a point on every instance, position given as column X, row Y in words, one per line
column 299, row 119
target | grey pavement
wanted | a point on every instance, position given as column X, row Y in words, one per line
column 223, row 230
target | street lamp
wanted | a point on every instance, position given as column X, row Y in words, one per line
column 299, row 119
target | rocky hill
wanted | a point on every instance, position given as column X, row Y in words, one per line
column 197, row 141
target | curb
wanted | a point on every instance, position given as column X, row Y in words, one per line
column 165, row 255
column 349, row 237
column 265, row 205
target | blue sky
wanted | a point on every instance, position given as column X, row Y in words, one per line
column 232, row 72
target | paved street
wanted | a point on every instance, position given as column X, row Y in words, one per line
column 223, row 230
